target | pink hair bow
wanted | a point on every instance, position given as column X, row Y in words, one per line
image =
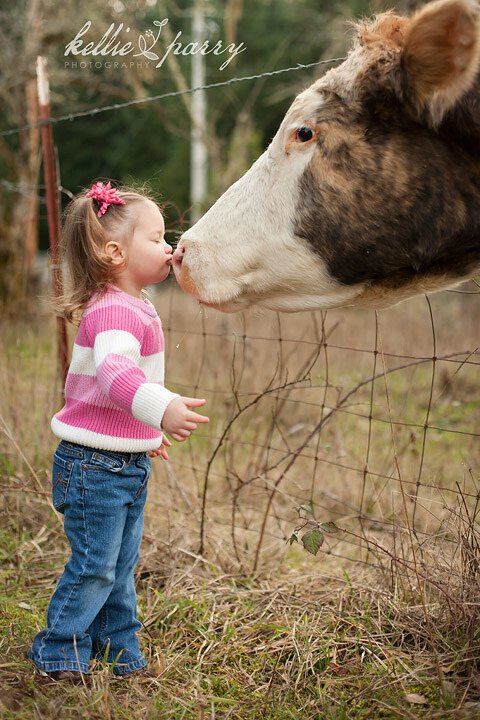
column 106, row 195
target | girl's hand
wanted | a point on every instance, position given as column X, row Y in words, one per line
column 162, row 450
column 179, row 421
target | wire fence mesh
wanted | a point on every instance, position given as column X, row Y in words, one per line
column 371, row 417
column 368, row 420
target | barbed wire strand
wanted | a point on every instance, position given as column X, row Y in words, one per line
column 163, row 96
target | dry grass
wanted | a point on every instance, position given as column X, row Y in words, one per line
column 382, row 623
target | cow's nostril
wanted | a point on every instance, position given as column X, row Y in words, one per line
column 178, row 255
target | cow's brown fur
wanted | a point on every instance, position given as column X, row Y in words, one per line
column 392, row 195
column 387, row 31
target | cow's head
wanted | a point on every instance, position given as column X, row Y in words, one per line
column 370, row 190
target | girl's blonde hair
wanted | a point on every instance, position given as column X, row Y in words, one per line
column 82, row 246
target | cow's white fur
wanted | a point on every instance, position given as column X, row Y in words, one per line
column 243, row 250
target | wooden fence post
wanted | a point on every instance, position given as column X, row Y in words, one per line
column 52, row 199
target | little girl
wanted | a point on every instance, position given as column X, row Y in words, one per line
column 116, row 410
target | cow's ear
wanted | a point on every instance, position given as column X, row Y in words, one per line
column 441, row 54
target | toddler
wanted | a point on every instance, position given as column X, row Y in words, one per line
column 113, row 421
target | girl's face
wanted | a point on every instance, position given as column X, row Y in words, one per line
column 148, row 255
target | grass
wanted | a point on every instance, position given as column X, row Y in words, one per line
column 249, row 648
column 383, row 623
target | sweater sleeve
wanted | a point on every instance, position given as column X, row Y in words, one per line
column 117, row 345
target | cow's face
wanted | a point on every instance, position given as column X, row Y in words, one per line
column 368, row 193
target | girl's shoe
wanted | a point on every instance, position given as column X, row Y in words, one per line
column 76, row 678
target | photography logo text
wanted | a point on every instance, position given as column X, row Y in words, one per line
column 116, row 44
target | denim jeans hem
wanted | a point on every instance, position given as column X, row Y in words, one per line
column 102, row 496
column 54, row 665
column 127, row 668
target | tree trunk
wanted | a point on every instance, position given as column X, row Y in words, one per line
column 19, row 212
column 12, row 246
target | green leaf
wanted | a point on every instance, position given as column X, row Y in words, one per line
column 328, row 527
column 293, row 538
column 312, row 541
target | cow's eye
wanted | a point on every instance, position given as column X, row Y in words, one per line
column 304, row 134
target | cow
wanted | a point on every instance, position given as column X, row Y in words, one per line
column 369, row 193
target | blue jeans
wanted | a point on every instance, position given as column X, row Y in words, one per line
column 92, row 613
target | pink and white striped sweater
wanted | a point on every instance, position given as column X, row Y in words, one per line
column 114, row 393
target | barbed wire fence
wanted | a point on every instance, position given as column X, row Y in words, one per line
column 361, row 425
